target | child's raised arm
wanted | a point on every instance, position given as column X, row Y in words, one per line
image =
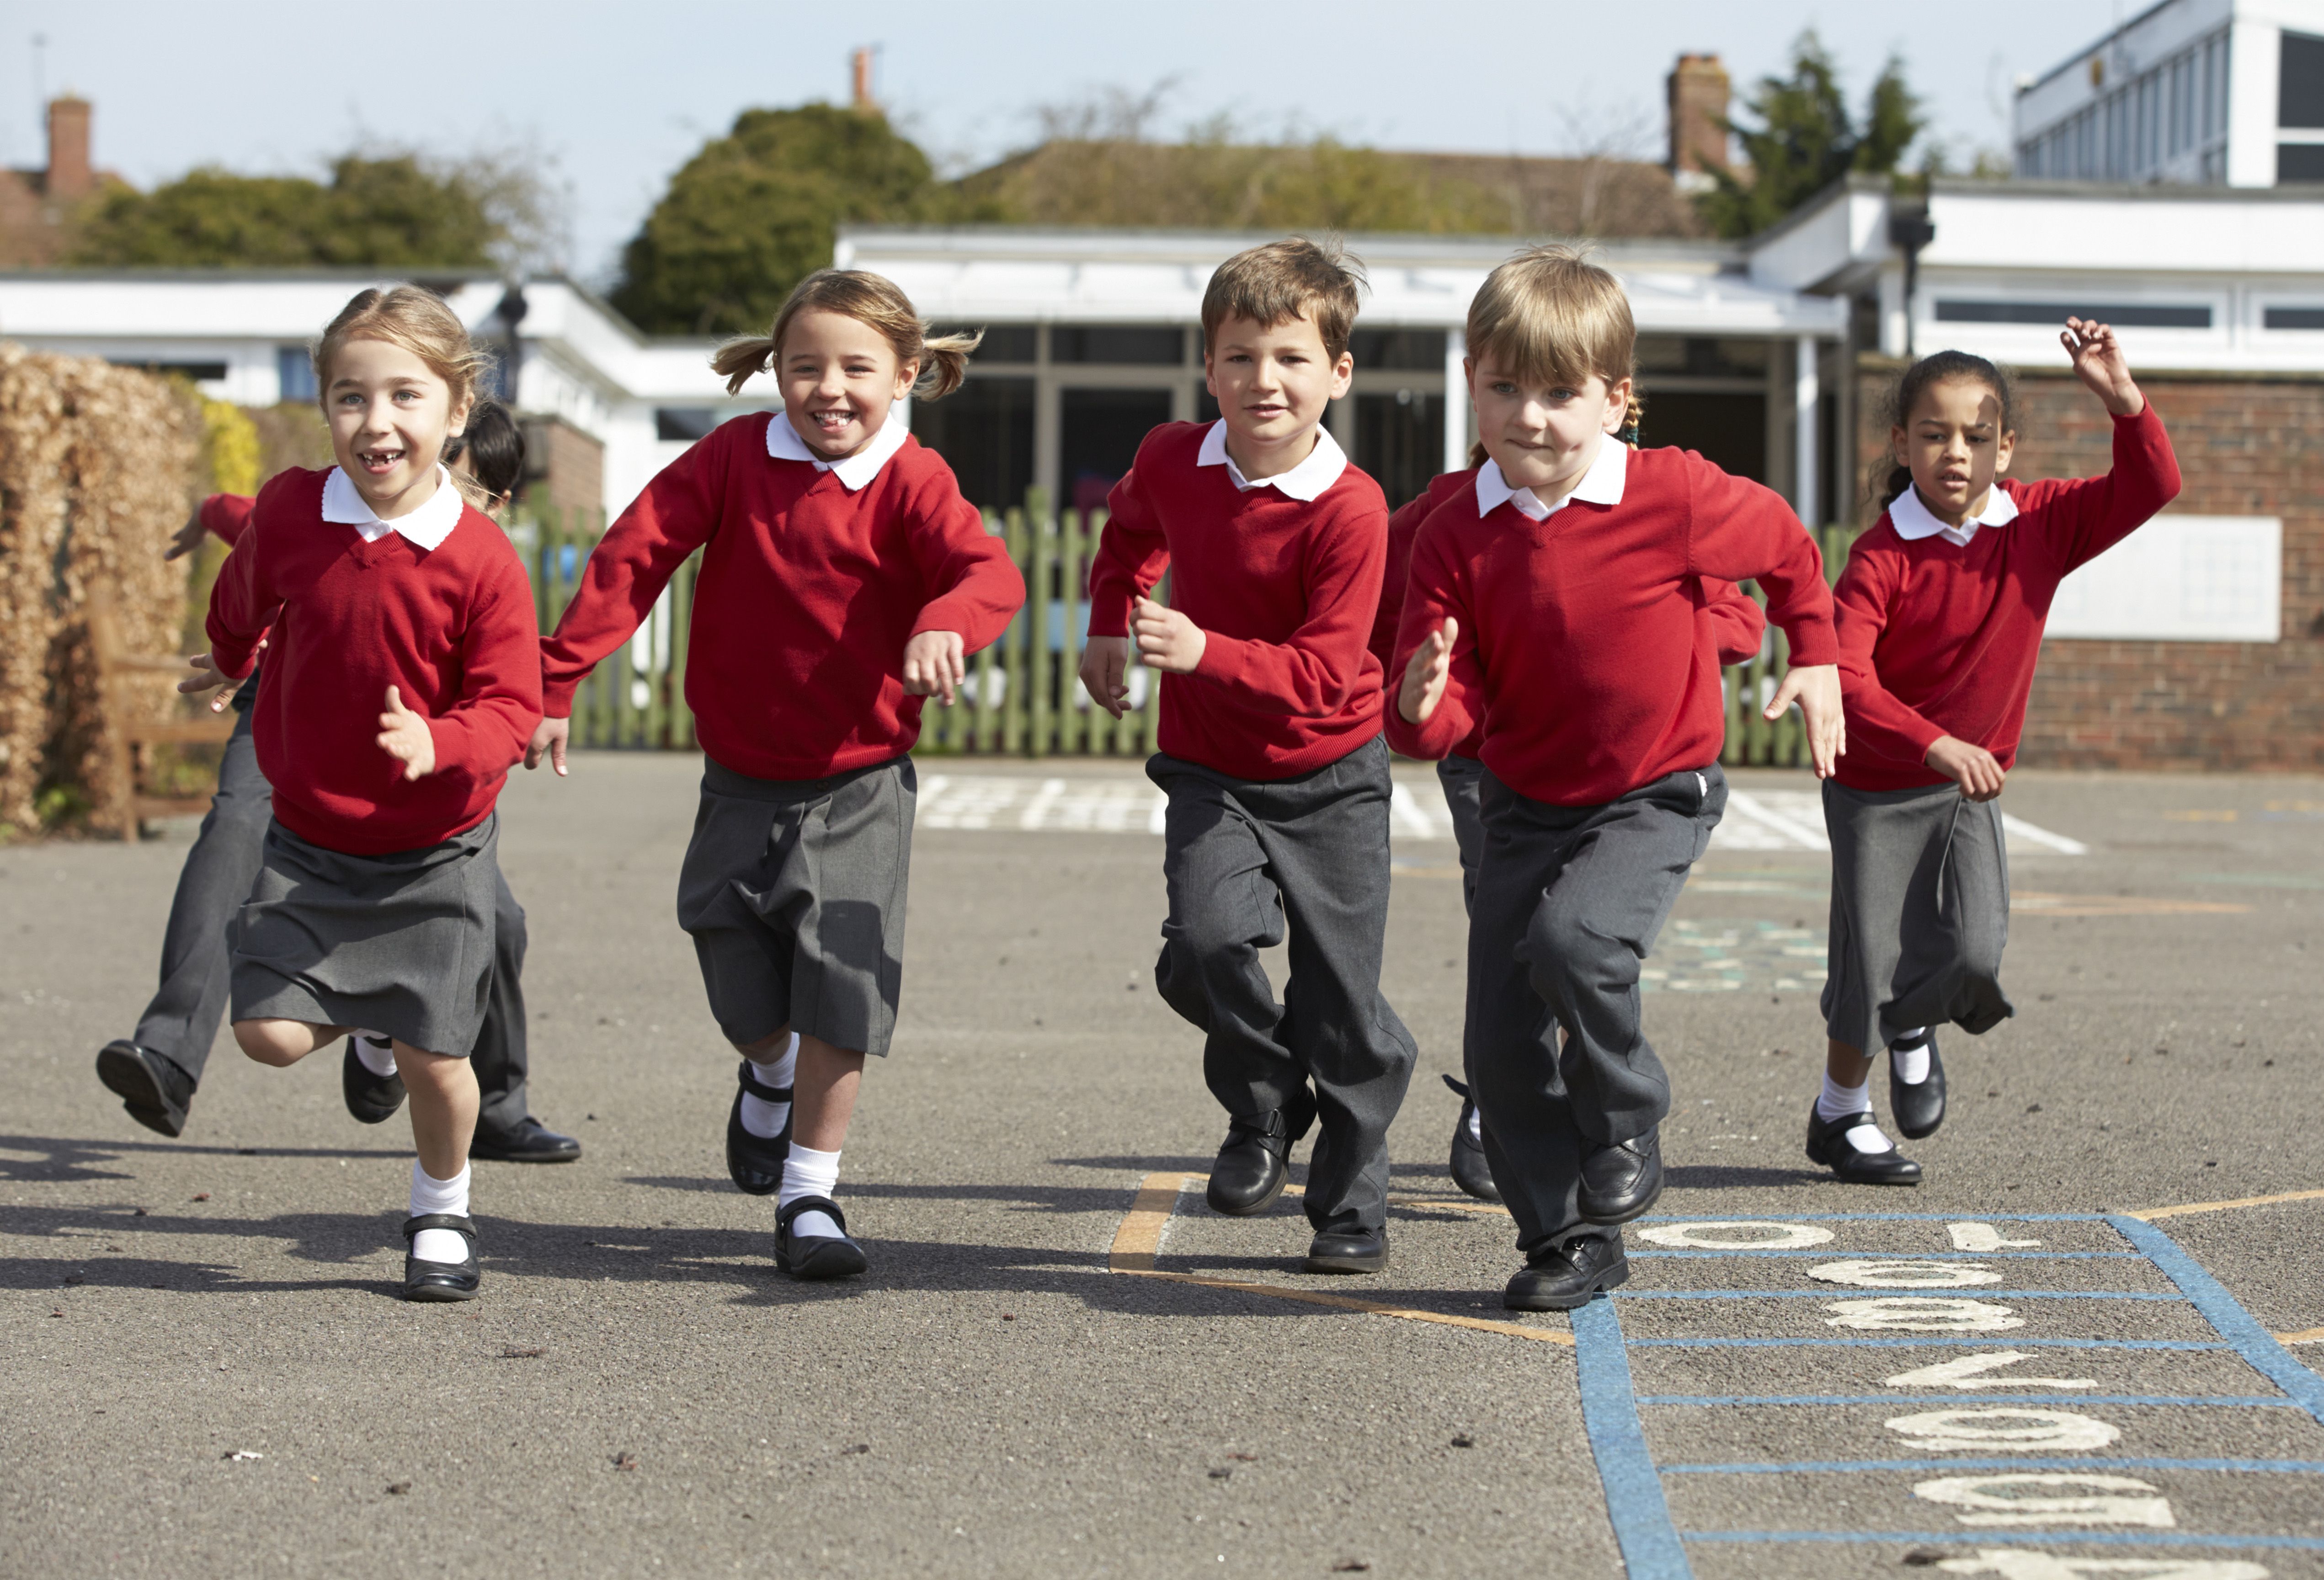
column 2088, row 516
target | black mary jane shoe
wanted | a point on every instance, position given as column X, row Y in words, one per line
column 816, row 1256
column 372, row 1099
column 1828, row 1145
column 1620, row 1182
column 1255, row 1159
column 440, row 1281
column 755, row 1163
column 1348, row 1250
column 1470, row 1171
column 155, row 1091
column 527, row 1141
column 1565, row 1276
column 1919, row 1107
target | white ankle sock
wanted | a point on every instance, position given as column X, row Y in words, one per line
column 1838, row 1101
column 809, row 1173
column 375, row 1053
column 1911, row 1062
column 431, row 1194
column 761, row 1118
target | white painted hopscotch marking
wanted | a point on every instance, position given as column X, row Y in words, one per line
column 1720, row 1236
column 2025, row 1564
column 1969, row 1371
column 1922, row 1314
column 1993, row 1500
column 1903, row 1274
column 2004, row 1431
column 1982, row 1237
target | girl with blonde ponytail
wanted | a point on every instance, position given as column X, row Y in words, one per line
column 843, row 578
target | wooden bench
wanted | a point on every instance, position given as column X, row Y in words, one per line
column 118, row 673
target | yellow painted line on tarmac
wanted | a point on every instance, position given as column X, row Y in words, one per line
column 1140, row 1238
column 2119, row 905
column 2220, row 1207
column 2306, row 1336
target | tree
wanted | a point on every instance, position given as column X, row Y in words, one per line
column 755, row 211
column 392, row 210
column 1806, row 139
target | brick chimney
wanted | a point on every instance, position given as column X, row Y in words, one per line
column 864, row 103
column 69, row 175
column 1698, row 92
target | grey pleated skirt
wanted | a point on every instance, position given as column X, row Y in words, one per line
column 793, row 890
column 1919, row 913
column 399, row 944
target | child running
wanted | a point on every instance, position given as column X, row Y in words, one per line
column 1940, row 615
column 375, row 585
column 1550, row 602
column 843, row 578
column 1737, row 627
column 1270, row 743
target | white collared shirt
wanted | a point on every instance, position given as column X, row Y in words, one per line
column 427, row 527
column 1307, row 480
column 784, row 443
column 1912, row 520
column 1601, row 485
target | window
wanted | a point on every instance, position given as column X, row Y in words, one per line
column 2300, row 82
column 1134, row 345
column 1002, row 342
column 200, row 373
column 685, row 423
column 1098, row 435
column 1405, row 350
column 2051, row 313
column 2299, row 163
column 1400, row 440
column 1729, row 430
column 2293, row 318
column 985, row 431
column 295, row 371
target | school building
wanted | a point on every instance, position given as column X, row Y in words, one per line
column 2165, row 182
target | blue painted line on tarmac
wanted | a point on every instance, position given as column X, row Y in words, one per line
column 1889, row 1292
column 2207, row 1401
column 2013, row 1342
column 1851, row 1466
column 1651, row 1548
column 2113, row 1538
column 1826, row 1253
column 2237, row 1326
column 1884, row 1218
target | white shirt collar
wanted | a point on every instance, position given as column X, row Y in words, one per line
column 1914, row 522
column 784, row 444
column 1307, row 480
column 1601, row 485
column 427, row 527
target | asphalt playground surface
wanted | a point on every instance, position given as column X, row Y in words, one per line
column 1061, row 1363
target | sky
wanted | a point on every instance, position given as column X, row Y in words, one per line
column 612, row 98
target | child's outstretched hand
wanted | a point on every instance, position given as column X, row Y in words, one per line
column 1975, row 768
column 549, row 739
column 187, row 539
column 935, row 665
column 404, row 735
column 1167, row 640
column 1425, row 674
column 209, row 677
column 2099, row 362
column 1105, row 672
column 1816, row 688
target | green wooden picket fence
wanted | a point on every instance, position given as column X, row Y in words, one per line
column 1024, row 697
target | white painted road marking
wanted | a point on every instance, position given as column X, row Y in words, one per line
column 1901, row 1273
column 2004, row 1431
column 2024, row 1563
column 1922, row 1314
column 1968, row 1371
column 1993, row 1502
column 1732, row 1237
column 1982, row 1237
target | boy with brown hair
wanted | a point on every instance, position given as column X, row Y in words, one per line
column 1550, row 601
column 1270, row 742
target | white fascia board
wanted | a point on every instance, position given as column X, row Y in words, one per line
column 2109, row 235
column 289, row 311
column 1847, row 233
column 2254, row 50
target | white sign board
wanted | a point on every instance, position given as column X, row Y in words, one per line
column 2180, row 578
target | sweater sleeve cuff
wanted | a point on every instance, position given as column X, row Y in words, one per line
column 1813, row 641
column 1109, row 613
column 1224, row 658
column 557, row 698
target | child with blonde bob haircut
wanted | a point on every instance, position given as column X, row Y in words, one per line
column 843, row 578
column 373, row 584
column 1270, row 743
column 1554, row 602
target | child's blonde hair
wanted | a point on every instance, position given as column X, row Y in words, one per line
column 873, row 301
column 1551, row 316
column 419, row 321
column 1295, row 278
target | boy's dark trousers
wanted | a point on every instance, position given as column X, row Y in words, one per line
column 1243, row 858
column 182, row 1020
column 1568, row 901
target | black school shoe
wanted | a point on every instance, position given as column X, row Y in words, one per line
column 1348, row 1250
column 440, row 1281
column 1255, row 1159
column 755, row 1163
column 816, row 1256
column 527, row 1141
column 1564, row 1276
column 1621, row 1182
column 1471, row 1172
column 372, row 1099
column 1828, row 1144
column 1919, row 1107
column 155, row 1091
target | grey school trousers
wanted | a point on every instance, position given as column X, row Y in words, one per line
column 1245, row 861
column 182, row 1020
column 1463, row 780
column 1569, row 902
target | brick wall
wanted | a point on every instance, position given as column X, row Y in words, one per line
column 565, row 468
column 2247, row 446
